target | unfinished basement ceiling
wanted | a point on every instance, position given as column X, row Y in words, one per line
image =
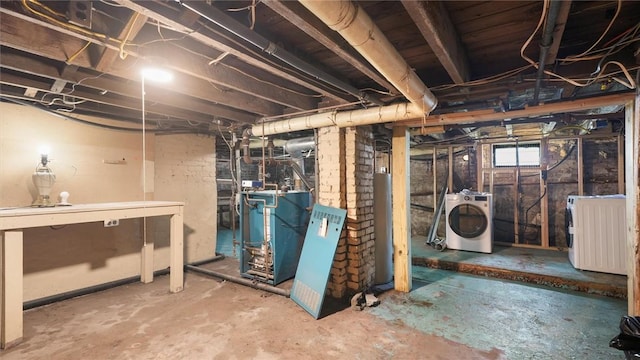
column 237, row 63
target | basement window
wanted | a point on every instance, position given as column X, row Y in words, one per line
column 528, row 155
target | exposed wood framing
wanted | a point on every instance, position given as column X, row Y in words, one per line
column 432, row 19
column 544, row 201
column 632, row 177
column 479, row 116
column 621, row 182
column 580, row 162
column 401, row 210
column 129, row 32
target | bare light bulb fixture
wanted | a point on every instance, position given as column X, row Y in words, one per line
column 43, row 179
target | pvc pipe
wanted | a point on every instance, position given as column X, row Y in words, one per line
column 241, row 281
column 375, row 115
column 355, row 26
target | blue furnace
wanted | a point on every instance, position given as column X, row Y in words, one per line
column 272, row 229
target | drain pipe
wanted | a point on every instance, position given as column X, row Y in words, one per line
column 545, row 44
column 240, row 280
column 355, row 26
column 218, row 17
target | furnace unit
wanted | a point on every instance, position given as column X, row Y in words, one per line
column 272, row 229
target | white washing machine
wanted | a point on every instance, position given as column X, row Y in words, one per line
column 596, row 233
column 470, row 221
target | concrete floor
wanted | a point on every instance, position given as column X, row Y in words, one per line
column 448, row 315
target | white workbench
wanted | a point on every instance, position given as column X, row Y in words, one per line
column 12, row 221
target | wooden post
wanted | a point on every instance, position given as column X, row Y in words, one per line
column 621, row 186
column 580, row 168
column 401, row 211
column 11, row 288
column 544, row 202
column 632, row 164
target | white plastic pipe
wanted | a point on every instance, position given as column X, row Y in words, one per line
column 355, row 26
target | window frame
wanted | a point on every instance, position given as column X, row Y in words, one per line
column 519, row 147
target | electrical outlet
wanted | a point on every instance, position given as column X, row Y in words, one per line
column 111, row 222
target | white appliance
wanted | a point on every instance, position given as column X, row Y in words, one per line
column 470, row 221
column 596, row 233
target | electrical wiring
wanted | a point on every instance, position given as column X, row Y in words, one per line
column 613, row 19
column 75, row 55
column 545, row 8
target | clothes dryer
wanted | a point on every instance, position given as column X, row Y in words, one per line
column 469, row 221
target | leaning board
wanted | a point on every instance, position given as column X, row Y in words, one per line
column 316, row 258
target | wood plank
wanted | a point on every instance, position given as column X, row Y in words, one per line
column 435, row 26
column 208, row 38
column 61, row 45
column 474, row 117
column 128, row 33
column 401, row 210
column 632, row 170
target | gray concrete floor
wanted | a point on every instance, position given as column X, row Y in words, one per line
column 447, row 315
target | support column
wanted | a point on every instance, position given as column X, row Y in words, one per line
column 632, row 180
column 401, row 211
column 331, row 192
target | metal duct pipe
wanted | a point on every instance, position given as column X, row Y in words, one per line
column 228, row 23
column 353, row 23
column 375, row 115
column 246, row 153
column 295, row 147
column 547, row 39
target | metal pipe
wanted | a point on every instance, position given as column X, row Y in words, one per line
column 355, row 26
column 101, row 287
column 241, row 281
column 228, row 23
column 374, row 115
column 547, row 39
column 246, row 152
column 295, row 147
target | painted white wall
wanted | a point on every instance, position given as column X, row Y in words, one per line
column 66, row 258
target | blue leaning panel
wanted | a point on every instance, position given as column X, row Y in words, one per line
column 316, row 258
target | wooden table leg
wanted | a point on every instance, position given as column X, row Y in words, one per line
column 11, row 288
column 176, row 262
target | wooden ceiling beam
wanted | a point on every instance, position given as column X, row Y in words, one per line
column 129, row 31
column 158, row 108
column 478, row 116
column 316, row 29
column 432, row 19
column 58, row 46
column 209, row 38
column 63, row 46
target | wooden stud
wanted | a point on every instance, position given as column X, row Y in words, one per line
column 632, row 177
column 621, row 181
column 580, row 167
column 544, row 202
column 401, row 211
